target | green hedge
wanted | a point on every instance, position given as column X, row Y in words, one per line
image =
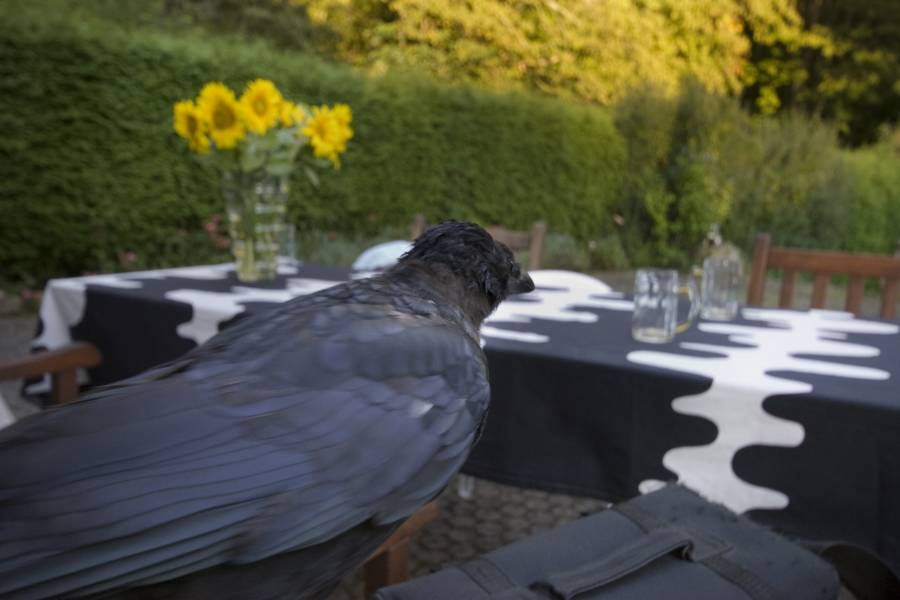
column 91, row 169
column 873, row 190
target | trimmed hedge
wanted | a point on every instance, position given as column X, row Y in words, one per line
column 91, row 168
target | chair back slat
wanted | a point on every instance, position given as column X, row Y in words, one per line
column 536, row 249
column 419, row 225
column 834, row 263
column 822, row 265
column 889, row 298
column 69, row 357
column 517, row 241
column 786, row 299
column 820, row 290
column 855, row 294
column 757, row 287
column 61, row 364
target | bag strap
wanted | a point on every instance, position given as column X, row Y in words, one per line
column 861, row 571
column 629, row 558
column 495, row 583
column 708, row 551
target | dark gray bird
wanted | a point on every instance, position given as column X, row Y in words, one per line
column 275, row 458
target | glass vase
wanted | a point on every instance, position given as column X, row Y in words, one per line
column 256, row 204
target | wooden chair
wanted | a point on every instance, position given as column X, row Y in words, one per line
column 517, row 241
column 61, row 364
column 387, row 566
column 823, row 265
column 419, row 225
column 390, row 563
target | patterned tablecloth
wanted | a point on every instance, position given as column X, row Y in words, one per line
column 793, row 416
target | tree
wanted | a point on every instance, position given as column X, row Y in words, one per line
column 843, row 67
column 834, row 59
column 591, row 50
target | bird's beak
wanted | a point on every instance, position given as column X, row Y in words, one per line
column 522, row 285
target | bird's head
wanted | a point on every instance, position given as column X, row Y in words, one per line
column 485, row 267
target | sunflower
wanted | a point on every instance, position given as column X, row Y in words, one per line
column 291, row 114
column 343, row 114
column 222, row 114
column 190, row 126
column 328, row 131
column 262, row 105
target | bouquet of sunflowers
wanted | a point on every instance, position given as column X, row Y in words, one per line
column 262, row 129
column 256, row 140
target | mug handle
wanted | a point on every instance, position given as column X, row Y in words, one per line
column 690, row 290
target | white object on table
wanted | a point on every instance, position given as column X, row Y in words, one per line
column 381, row 256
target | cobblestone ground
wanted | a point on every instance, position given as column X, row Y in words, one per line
column 15, row 334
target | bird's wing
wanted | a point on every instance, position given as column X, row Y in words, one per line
column 331, row 417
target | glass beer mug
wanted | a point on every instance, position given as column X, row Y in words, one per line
column 656, row 292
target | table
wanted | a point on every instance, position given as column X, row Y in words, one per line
column 790, row 416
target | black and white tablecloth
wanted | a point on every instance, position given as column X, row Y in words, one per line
column 792, row 416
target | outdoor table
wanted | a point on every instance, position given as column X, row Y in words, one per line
column 792, row 416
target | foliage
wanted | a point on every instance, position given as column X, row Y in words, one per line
column 831, row 59
column 698, row 159
column 843, row 67
column 673, row 190
column 608, row 254
column 587, row 50
column 788, row 177
column 834, row 59
column 90, row 168
column 333, row 249
column 872, row 221
column 279, row 22
column 562, row 251
column 92, row 179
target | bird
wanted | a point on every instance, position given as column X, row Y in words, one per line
column 273, row 459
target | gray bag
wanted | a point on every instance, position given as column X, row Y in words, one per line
column 668, row 544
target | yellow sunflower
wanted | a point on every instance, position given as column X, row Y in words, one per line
column 343, row 114
column 291, row 114
column 262, row 105
column 328, row 131
column 222, row 114
column 190, row 126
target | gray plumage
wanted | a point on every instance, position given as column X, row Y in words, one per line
column 275, row 458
